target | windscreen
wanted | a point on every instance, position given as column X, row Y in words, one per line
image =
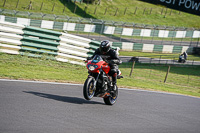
column 96, row 59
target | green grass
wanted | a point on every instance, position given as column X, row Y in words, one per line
column 172, row 17
column 182, row 80
column 22, row 67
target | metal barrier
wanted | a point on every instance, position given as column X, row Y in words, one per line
column 141, row 47
column 31, row 41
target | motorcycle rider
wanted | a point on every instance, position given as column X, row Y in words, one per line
column 111, row 56
column 185, row 55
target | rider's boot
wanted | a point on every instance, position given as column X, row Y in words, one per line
column 114, row 87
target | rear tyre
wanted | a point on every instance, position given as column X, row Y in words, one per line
column 88, row 88
column 110, row 100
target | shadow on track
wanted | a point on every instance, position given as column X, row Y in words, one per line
column 74, row 100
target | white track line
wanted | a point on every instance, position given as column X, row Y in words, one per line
column 57, row 83
column 40, row 82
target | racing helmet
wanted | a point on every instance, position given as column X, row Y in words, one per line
column 104, row 47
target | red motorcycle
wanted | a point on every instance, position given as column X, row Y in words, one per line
column 99, row 82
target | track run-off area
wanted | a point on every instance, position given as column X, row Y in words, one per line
column 48, row 107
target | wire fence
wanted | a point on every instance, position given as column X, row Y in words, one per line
column 159, row 73
column 120, row 31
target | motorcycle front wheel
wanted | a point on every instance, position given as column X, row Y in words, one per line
column 88, row 88
column 110, row 100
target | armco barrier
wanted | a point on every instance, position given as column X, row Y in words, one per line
column 31, row 41
column 105, row 29
column 152, row 47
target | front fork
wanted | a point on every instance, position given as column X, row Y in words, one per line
column 95, row 82
column 109, row 80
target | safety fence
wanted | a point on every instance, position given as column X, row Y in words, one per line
column 187, row 76
column 105, row 29
column 32, row 41
column 142, row 47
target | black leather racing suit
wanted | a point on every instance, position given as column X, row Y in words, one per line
column 113, row 60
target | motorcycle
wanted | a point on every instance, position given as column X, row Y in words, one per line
column 99, row 82
column 181, row 59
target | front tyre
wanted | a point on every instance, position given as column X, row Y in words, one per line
column 88, row 88
column 110, row 100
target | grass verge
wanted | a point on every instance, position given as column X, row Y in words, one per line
column 182, row 80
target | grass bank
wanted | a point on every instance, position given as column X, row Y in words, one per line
column 182, row 80
column 117, row 10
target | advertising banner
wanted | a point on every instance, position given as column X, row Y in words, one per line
column 189, row 6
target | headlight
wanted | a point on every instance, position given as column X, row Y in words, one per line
column 91, row 68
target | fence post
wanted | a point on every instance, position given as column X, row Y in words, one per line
column 116, row 12
column 17, row 4
column 172, row 40
column 102, row 25
column 91, row 21
column 188, row 78
column 125, row 11
column 53, row 7
column 162, row 11
column 4, row 3
column 105, row 10
column 121, row 32
column 182, row 35
column 170, row 12
column 64, row 8
column 75, row 8
column 95, row 10
column 191, row 37
column 167, row 74
column 85, row 9
column 113, row 24
column 154, row 28
column 165, row 13
column 198, row 40
column 150, row 11
column 41, row 6
column 78, row 26
column 144, row 11
column 132, row 68
column 163, row 35
column 132, row 34
column 135, row 10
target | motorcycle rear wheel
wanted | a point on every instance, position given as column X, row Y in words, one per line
column 88, row 88
column 110, row 100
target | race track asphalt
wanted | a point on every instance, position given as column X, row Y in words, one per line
column 42, row 107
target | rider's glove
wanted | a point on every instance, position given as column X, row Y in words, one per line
column 110, row 62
